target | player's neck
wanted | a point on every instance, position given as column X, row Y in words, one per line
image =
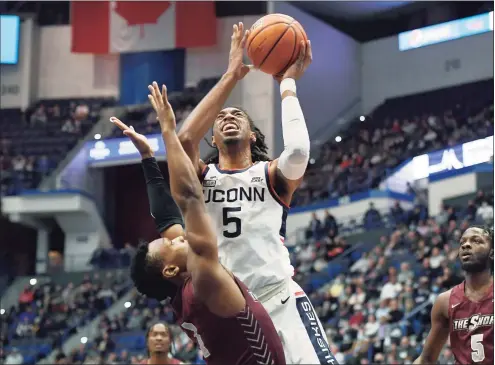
column 235, row 159
column 479, row 280
column 158, row 358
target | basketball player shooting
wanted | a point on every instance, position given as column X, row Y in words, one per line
column 213, row 306
column 248, row 198
column 465, row 312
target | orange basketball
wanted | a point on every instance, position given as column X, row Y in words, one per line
column 274, row 42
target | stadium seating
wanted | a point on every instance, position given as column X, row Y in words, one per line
column 143, row 118
column 33, row 143
column 399, row 129
column 48, row 313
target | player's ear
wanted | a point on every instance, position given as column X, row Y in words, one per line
column 170, row 271
column 252, row 137
column 213, row 141
column 491, row 254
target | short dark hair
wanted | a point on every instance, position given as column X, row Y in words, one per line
column 259, row 149
column 487, row 231
column 172, row 345
column 146, row 273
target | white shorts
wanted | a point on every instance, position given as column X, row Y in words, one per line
column 300, row 330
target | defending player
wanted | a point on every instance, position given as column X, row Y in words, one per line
column 214, row 307
column 248, row 198
column 158, row 341
column 465, row 312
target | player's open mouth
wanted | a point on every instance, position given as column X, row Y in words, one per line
column 229, row 127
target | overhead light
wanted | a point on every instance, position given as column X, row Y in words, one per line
column 362, row 118
column 338, row 139
column 97, row 136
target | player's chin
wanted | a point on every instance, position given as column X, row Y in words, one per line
column 231, row 139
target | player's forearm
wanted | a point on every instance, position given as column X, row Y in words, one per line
column 184, row 182
column 295, row 156
column 163, row 209
column 203, row 116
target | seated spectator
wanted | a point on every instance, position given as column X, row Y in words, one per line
column 485, row 213
column 14, row 357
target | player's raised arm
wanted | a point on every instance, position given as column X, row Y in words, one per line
column 165, row 213
column 203, row 116
column 184, row 184
column 288, row 170
column 439, row 331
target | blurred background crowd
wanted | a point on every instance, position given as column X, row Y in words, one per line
column 371, row 244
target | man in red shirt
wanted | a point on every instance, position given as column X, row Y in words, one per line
column 158, row 341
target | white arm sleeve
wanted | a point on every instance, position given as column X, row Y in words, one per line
column 294, row 159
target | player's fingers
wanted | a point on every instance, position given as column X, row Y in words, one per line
column 309, row 52
column 153, row 103
column 158, row 96
column 241, row 29
column 302, row 52
column 234, row 32
column 121, row 125
column 244, row 38
column 164, row 95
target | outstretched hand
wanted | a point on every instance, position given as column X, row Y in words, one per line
column 164, row 112
column 237, row 45
column 138, row 140
column 298, row 68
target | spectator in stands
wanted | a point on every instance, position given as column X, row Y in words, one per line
column 68, row 126
column 39, row 116
column 372, row 217
column 330, row 226
column 27, row 295
column 14, row 358
column 314, row 227
column 485, row 213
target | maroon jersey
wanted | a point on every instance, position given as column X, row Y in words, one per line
column 471, row 327
column 244, row 339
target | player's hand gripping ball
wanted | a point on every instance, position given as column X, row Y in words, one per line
column 274, row 43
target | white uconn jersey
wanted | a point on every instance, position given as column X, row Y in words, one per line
column 249, row 222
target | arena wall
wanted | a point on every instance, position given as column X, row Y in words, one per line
column 388, row 72
column 331, row 85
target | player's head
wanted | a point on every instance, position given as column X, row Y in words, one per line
column 157, row 266
column 158, row 339
column 234, row 127
column 476, row 249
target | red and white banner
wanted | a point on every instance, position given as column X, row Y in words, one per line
column 135, row 26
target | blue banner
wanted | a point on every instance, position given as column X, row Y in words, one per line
column 446, row 31
column 138, row 70
column 120, row 150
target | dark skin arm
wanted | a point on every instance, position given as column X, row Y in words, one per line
column 439, row 331
column 144, row 148
column 213, row 285
column 201, row 119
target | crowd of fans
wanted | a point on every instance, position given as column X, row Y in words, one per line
column 379, row 311
column 32, row 143
column 376, row 311
column 372, row 146
column 48, row 313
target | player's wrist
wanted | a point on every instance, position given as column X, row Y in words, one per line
column 288, row 87
column 148, row 154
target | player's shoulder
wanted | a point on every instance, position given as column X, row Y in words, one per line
column 441, row 305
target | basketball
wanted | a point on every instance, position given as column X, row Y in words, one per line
column 274, row 42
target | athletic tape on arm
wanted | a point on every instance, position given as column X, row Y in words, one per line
column 294, row 159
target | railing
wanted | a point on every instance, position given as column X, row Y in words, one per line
column 349, row 225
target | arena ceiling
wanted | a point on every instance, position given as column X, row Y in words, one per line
column 365, row 21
